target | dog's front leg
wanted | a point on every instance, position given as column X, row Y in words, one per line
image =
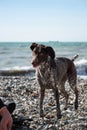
column 42, row 92
column 56, row 94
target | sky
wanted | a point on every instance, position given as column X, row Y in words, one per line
column 43, row 20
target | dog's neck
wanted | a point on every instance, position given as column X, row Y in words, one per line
column 46, row 73
column 45, row 64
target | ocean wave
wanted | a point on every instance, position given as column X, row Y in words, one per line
column 81, row 66
column 16, row 71
column 17, row 68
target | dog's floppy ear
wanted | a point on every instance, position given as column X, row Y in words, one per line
column 50, row 52
column 33, row 46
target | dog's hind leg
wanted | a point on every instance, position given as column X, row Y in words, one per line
column 74, row 88
column 76, row 100
column 73, row 83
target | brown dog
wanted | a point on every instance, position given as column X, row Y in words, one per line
column 53, row 73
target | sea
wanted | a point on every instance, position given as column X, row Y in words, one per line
column 17, row 56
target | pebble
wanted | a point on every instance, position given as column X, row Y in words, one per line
column 25, row 93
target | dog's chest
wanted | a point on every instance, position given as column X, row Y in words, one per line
column 46, row 77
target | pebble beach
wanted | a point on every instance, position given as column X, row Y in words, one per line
column 24, row 91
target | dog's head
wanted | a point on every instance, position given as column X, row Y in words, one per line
column 41, row 53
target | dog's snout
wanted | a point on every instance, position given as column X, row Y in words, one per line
column 34, row 64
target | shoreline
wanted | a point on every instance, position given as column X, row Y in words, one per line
column 27, row 72
column 14, row 72
column 24, row 91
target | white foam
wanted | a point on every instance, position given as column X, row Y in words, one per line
column 18, row 68
column 81, row 62
column 81, row 66
column 83, row 77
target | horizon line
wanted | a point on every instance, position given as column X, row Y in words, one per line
column 42, row 41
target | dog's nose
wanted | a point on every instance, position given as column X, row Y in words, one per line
column 34, row 64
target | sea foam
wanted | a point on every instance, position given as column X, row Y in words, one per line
column 81, row 66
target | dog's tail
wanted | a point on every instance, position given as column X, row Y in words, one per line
column 75, row 57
